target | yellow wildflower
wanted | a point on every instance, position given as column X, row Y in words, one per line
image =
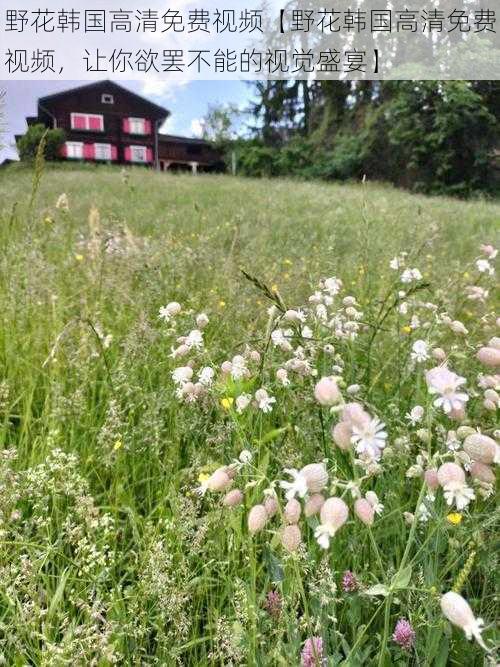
column 222, row 303
column 274, row 288
column 287, row 261
column 118, row 445
column 227, row 402
column 454, row 518
column 79, row 258
column 202, row 477
column 406, row 329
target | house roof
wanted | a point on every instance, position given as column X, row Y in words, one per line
column 160, row 111
column 172, row 138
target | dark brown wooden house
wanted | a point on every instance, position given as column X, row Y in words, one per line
column 105, row 122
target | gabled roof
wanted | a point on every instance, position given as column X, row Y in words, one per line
column 161, row 111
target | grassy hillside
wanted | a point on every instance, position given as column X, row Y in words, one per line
column 107, row 553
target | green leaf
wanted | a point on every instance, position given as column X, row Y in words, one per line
column 401, row 579
column 378, row 589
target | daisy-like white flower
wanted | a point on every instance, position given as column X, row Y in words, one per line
column 264, row 401
column 459, row 494
column 170, row 310
column 476, row 293
column 282, row 376
column 440, row 380
column 206, row 376
column 298, row 487
column 194, row 339
column 332, row 285
column 410, row 276
column 415, row 415
column 242, row 402
column 182, row 374
column 372, row 498
column 239, row 369
column 396, row 263
column 369, row 438
column 420, row 351
column 483, row 266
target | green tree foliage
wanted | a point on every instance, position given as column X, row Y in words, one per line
column 430, row 136
column 27, row 145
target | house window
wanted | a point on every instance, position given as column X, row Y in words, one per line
column 102, row 151
column 107, row 99
column 136, row 126
column 74, row 150
column 138, row 154
column 87, row 121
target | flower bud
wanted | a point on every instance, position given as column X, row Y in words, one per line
column 257, row 518
column 271, row 505
column 334, row 512
column 489, row 356
column 364, row 511
column 292, row 511
column 291, row 537
column 354, row 414
column 482, row 472
column 327, row 392
column 341, row 434
column 494, row 342
column 439, row 354
column 458, row 612
column 233, row 498
column 464, row 431
column 431, row 478
column 219, row 480
column 314, row 504
column 202, row 320
column 480, row 448
column 450, row 473
column 316, row 477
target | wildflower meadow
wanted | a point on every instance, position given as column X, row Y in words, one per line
column 246, row 422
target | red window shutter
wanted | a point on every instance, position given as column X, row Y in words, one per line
column 149, row 154
column 128, row 154
column 96, row 123
column 114, row 153
column 78, row 122
column 63, row 152
column 88, row 151
column 126, row 126
column 147, row 127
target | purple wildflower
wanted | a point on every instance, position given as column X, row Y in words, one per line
column 349, row 582
column 404, row 634
column 273, row 604
column 312, row 653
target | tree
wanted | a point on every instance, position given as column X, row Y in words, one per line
column 27, row 145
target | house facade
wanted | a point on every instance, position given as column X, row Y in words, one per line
column 105, row 122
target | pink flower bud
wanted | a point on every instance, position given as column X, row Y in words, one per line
column 480, row 448
column 431, row 478
column 255, row 356
column 334, row 512
column 326, row 391
column 233, row 498
column 316, row 477
column 292, row 511
column 341, row 434
column 226, row 367
column 291, row 537
column 494, row 342
column 219, row 480
column 314, row 504
column 354, row 415
column 450, row 473
column 457, row 414
column 489, row 356
column 364, row 511
column 482, row 472
column 257, row 518
column 271, row 505
column 439, row 354
column 458, row 612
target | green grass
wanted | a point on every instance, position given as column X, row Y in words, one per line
column 107, row 554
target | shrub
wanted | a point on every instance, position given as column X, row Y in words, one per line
column 27, row 145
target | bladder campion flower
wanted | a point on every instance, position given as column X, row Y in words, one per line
column 457, row 610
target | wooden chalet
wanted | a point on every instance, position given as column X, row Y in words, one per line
column 105, row 122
